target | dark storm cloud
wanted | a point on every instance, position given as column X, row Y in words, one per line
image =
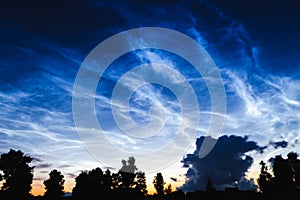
column 226, row 164
column 282, row 144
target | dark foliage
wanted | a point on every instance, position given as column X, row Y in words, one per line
column 125, row 183
column 285, row 178
column 54, row 186
column 128, row 183
column 159, row 184
column 17, row 174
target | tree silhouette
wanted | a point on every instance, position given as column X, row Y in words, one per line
column 91, row 183
column 140, row 183
column 54, row 185
column 286, row 175
column 295, row 166
column 17, row 174
column 209, row 186
column 159, row 183
column 95, row 181
column 81, row 189
column 116, row 181
column 283, row 175
column 107, row 181
column 127, row 174
column 168, row 189
column 265, row 178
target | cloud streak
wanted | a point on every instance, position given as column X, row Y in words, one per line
column 42, row 53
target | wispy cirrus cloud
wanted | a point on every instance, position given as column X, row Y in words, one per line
column 40, row 61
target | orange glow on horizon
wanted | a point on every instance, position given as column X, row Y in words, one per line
column 38, row 188
column 37, row 191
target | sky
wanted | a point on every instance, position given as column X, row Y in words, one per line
column 246, row 93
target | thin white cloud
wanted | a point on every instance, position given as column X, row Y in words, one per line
column 267, row 109
column 245, row 92
column 290, row 101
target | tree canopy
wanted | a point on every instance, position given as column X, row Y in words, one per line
column 16, row 173
column 159, row 183
column 284, row 176
column 54, row 185
column 16, row 177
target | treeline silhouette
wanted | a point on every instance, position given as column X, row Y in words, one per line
column 16, row 176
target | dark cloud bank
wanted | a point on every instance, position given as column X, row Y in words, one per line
column 226, row 164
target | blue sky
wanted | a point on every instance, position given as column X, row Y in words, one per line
column 253, row 44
